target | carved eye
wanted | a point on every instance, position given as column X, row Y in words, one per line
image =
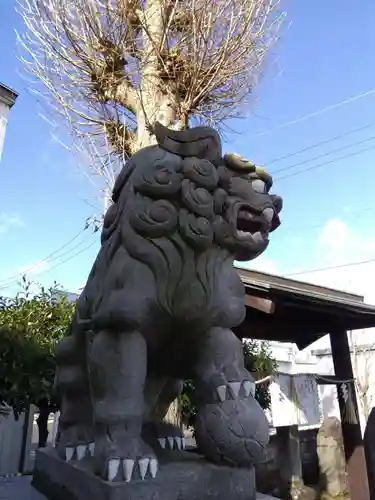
column 259, row 186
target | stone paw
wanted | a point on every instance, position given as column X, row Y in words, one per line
column 120, row 457
column 163, row 436
column 127, row 469
column 75, row 443
column 235, row 390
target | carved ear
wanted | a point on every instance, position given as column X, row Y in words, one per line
column 200, row 142
column 122, row 179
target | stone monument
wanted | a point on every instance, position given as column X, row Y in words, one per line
column 158, row 307
column 330, row 449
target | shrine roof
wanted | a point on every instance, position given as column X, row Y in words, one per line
column 287, row 310
column 8, row 96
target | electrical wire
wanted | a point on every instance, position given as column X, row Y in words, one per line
column 58, row 264
column 365, row 150
column 320, row 143
column 48, row 257
column 53, row 256
column 328, row 268
column 317, row 113
column 287, row 229
column 327, row 153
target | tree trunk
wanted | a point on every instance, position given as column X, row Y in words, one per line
column 42, row 422
column 157, row 98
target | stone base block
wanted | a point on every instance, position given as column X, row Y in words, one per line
column 181, row 476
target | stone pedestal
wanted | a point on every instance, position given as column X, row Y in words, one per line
column 181, row 476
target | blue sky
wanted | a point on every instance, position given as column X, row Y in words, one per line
column 325, row 57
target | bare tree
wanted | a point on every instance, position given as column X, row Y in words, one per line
column 111, row 68
column 362, row 359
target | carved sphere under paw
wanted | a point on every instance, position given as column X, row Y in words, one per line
column 233, row 431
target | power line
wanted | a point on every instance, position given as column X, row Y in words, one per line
column 328, row 268
column 316, row 113
column 49, row 258
column 325, row 163
column 31, row 268
column 70, row 258
column 316, row 144
column 327, row 153
column 283, row 229
column 58, row 264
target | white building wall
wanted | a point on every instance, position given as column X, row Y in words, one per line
column 4, row 111
column 291, row 360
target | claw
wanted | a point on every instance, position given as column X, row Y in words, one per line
column 235, row 388
column 162, row 442
column 153, row 467
column 69, row 452
column 170, row 441
column 249, row 388
column 81, row 451
column 221, row 392
column 113, row 466
column 143, row 466
column 91, row 448
column 128, row 466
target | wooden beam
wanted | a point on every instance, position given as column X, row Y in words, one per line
column 351, row 429
column 264, row 305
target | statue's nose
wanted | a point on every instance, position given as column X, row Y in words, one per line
column 277, row 203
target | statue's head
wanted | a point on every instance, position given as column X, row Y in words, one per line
column 185, row 190
column 248, row 212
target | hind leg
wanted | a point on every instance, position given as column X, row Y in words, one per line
column 118, row 365
column 157, row 431
column 75, row 438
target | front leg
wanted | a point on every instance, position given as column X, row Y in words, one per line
column 118, row 365
column 230, row 424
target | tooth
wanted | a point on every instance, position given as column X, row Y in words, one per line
column 128, row 466
column 81, row 451
column 91, row 448
column 69, row 452
column 162, row 442
column 183, row 443
column 153, row 467
column 258, row 237
column 170, row 441
column 178, row 442
column 268, row 214
column 221, row 392
column 143, row 466
column 235, row 388
column 249, row 388
column 258, row 186
column 113, row 466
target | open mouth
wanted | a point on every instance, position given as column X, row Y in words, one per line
column 253, row 226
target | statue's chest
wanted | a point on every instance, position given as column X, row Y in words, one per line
column 213, row 294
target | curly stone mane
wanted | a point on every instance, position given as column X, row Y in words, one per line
column 168, row 211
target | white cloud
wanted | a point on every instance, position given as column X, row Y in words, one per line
column 337, row 245
column 9, row 221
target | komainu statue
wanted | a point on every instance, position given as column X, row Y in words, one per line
column 158, row 308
